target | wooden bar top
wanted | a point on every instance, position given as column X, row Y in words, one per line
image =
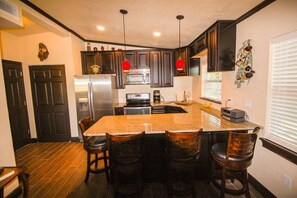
column 197, row 117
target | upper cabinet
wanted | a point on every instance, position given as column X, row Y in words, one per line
column 221, row 46
column 184, row 53
column 138, row 59
column 161, row 65
column 110, row 62
column 198, row 45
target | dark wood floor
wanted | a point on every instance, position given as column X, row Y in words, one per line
column 58, row 170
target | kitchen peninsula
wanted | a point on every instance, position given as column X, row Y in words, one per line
column 214, row 127
column 196, row 117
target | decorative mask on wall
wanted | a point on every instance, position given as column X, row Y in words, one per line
column 244, row 63
column 43, row 52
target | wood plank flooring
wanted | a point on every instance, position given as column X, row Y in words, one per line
column 57, row 169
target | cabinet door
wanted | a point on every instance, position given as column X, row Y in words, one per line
column 201, row 43
column 87, row 60
column 167, row 69
column 212, row 34
column 183, row 52
column 156, row 69
column 131, row 56
column 107, row 62
column 118, row 70
column 143, row 60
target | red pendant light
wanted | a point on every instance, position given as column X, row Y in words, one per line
column 180, row 63
column 125, row 64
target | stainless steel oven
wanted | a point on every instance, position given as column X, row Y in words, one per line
column 137, row 110
column 137, row 103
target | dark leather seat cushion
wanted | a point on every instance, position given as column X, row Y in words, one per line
column 96, row 142
column 219, row 150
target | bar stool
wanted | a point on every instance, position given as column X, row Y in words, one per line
column 182, row 149
column 234, row 158
column 125, row 156
column 94, row 146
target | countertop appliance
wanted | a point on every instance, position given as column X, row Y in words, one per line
column 137, row 103
column 233, row 115
column 157, row 96
column 137, row 77
column 95, row 95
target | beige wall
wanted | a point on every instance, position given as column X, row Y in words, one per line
column 181, row 84
column 277, row 19
column 62, row 50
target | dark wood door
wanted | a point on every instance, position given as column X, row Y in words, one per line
column 131, row 56
column 16, row 102
column 143, row 60
column 107, row 62
column 156, row 69
column 184, row 54
column 87, row 60
column 167, row 68
column 49, row 95
column 119, row 71
column 212, row 35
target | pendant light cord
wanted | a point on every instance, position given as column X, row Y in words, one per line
column 124, row 27
column 179, row 38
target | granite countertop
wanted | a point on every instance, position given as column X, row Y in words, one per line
column 197, row 117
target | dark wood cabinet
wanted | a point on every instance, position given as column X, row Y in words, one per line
column 184, row 53
column 161, row 65
column 110, row 62
column 119, row 111
column 198, row 45
column 87, row 60
column 143, row 60
column 138, row 59
column 118, row 59
column 106, row 61
column 221, row 46
column 167, row 68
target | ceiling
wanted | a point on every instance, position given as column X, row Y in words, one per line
column 143, row 18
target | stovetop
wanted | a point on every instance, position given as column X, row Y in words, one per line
column 138, row 100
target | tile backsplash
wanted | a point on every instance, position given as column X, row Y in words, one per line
column 181, row 84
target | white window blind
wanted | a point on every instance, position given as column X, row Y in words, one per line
column 282, row 95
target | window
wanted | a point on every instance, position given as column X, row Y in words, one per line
column 282, row 91
column 211, row 85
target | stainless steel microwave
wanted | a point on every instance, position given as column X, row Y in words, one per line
column 137, row 77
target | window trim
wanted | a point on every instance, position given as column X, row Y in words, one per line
column 279, row 150
column 271, row 142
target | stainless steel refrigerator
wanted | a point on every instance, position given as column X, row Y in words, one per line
column 95, row 95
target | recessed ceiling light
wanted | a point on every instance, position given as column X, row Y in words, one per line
column 101, row 28
column 157, row 33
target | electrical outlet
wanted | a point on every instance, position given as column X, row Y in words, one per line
column 287, row 181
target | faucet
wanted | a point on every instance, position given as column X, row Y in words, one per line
column 185, row 97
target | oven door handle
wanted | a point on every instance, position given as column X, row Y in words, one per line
column 126, row 109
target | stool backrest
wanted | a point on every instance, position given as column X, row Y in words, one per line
column 183, row 145
column 242, row 145
column 84, row 125
column 125, row 149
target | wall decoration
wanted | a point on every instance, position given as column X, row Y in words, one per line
column 244, row 63
column 43, row 52
column 96, row 69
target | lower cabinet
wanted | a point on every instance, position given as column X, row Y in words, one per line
column 119, row 111
column 161, row 65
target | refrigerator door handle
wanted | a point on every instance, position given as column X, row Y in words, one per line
column 90, row 99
